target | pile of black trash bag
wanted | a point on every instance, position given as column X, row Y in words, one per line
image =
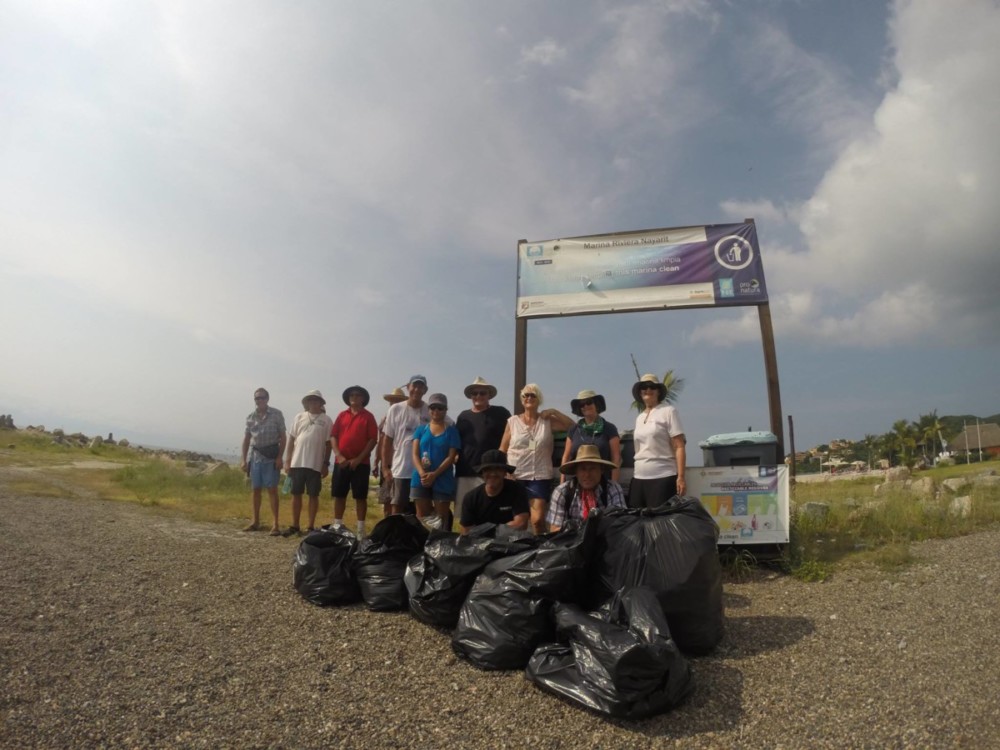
column 619, row 661
column 597, row 614
column 439, row 579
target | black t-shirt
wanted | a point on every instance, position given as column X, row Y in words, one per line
column 478, row 507
column 480, row 431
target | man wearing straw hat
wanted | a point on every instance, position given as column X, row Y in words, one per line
column 385, row 488
column 352, row 438
column 586, row 489
column 481, row 429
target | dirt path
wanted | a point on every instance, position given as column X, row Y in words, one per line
column 120, row 627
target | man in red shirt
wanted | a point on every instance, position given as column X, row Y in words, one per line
column 351, row 441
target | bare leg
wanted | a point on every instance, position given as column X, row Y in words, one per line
column 361, row 509
column 272, row 494
column 424, row 508
column 339, row 505
column 443, row 509
column 313, row 510
column 255, row 518
column 538, row 515
column 296, row 510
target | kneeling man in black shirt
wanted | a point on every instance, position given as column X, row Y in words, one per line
column 498, row 500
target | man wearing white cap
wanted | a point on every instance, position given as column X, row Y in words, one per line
column 308, row 457
column 397, row 453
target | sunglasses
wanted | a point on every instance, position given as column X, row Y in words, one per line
column 479, row 393
column 260, row 398
column 649, row 387
column 529, row 395
column 437, row 407
column 588, row 402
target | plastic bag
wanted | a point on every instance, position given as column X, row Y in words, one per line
column 620, row 663
column 506, row 615
column 439, row 579
column 673, row 550
column 380, row 561
column 322, row 571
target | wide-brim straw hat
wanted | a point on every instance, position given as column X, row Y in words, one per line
column 576, row 407
column 359, row 389
column 494, row 459
column 395, row 397
column 478, row 383
column 648, row 378
column 587, row 454
column 313, row 394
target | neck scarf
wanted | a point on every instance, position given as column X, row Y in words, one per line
column 588, row 499
column 595, row 428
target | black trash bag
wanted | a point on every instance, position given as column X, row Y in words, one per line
column 380, row 562
column 322, row 570
column 506, row 614
column 672, row 549
column 620, row 662
column 439, row 579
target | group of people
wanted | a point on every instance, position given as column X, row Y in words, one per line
column 497, row 466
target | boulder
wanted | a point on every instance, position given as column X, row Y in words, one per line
column 897, row 474
column 96, row 442
column 986, row 480
column 924, row 487
column 123, row 443
column 815, row 511
column 961, row 506
column 955, row 484
column 58, row 432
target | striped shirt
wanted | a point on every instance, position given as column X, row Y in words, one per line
column 266, row 429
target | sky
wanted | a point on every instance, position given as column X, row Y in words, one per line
column 200, row 198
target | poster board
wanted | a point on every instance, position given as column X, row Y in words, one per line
column 714, row 265
column 750, row 503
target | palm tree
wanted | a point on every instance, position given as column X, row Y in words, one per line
column 928, row 427
column 905, row 438
column 869, row 442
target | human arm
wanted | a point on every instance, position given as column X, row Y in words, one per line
column 338, row 457
column 388, row 449
column 505, row 440
column 290, row 449
column 557, row 418
column 567, row 453
column 361, row 457
column 520, row 521
column 244, row 449
column 282, row 440
column 679, row 444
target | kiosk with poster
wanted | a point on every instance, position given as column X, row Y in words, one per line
column 750, row 503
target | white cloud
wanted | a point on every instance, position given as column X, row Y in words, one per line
column 546, row 52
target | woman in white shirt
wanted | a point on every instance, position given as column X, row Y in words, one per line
column 527, row 441
column 660, row 456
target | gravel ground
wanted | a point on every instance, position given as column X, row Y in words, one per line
column 122, row 627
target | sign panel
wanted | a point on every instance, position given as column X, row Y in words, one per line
column 706, row 266
column 750, row 503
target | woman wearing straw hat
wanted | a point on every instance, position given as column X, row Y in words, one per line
column 587, row 488
column 527, row 441
column 593, row 429
column 385, row 488
column 660, row 456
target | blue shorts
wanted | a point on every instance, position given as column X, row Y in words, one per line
column 537, row 488
column 264, row 474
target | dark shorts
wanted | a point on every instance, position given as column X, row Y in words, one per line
column 305, row 481
column 429, row 493
column 537, row 488
column 650, row 493
column 355, row 480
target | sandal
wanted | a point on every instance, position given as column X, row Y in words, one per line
column 253, row 527
column 293, row 531
column 275, row 531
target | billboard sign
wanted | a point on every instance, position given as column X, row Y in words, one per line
column 706, row 266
